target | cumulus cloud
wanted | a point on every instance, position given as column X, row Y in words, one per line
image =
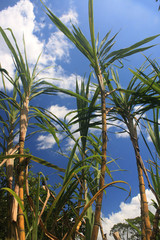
column 127, row 210
column 47, row 141
column 69, row 82
column 121, row 128
column 21, row 18
column 70, row 142
column 59, row 46
column 59, row 111
column 70, row 17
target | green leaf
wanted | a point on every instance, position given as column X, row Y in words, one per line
column 88, row 205
column 133, row 226
column 91, row 24
column 70, row 162
column 35, row 159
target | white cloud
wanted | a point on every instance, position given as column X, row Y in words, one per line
column 70, row 17
column 121, row 128
column 58, row 46
column 60, row 111
column 127, row 210
column 69, row 82
column 70, row 142
column 21, row 19
column 39, row 25
column 46, row 141
column 122, row 135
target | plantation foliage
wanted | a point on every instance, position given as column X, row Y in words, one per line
column 32, row 208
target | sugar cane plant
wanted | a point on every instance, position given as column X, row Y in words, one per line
column 99, row 58
column 9, row 121
column 151, row 98
column 125, row 109
column 88, row 171
column 85, row 114
column 87, row 157
column 31, row 87
column 153, row 131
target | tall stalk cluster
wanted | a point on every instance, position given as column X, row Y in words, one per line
column 83, row 180
column 100, row 58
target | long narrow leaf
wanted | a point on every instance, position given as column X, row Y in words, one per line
column 88, row 205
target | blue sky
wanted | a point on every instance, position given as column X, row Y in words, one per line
column 134, row 19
